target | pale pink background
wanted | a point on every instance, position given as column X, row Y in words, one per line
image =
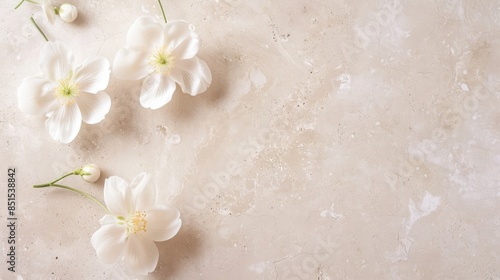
column 339, row 140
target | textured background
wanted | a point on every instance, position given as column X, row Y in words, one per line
column 339, row 140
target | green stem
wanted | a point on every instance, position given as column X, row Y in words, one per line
column 22, row 1
column 57, row 180
column 75, row 190
column 162, row 11
column 39, row 30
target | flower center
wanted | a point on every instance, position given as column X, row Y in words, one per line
column 162, row 61
column 66, row 91
column 137, row 222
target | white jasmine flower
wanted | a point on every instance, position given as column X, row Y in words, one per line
column 68, row 12
column 90, row 173
column 163, row 54
column 135, row 223
column 66, row 93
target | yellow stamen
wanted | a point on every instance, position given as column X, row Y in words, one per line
column 137, row 222
column 67, row 91
column 162, row 61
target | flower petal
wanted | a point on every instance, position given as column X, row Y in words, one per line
column 179, row 37
column 193, row 75
column 144, row 34
column 93, row 75
column 56, row 61
column 157, row 90
column 109, row 242
column 117, row 196
column 48, row 10
column 163, row 223
column 108, row 219
column 131, row 64
column 144, row 194
column 36, row 96
column 64, row 123
column 94, row 107
column 141, row 255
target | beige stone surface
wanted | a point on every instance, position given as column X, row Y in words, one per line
column 338, row 140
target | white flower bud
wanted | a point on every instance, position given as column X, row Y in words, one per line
column 68, row 12
column 90, row 173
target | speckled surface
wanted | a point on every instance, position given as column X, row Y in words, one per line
column 339, row 140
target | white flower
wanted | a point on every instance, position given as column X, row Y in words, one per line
column 90, row 173
column 48, row 10
column 65, row 93
column 164, row 55
column 135, row 223
column 68, row 12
